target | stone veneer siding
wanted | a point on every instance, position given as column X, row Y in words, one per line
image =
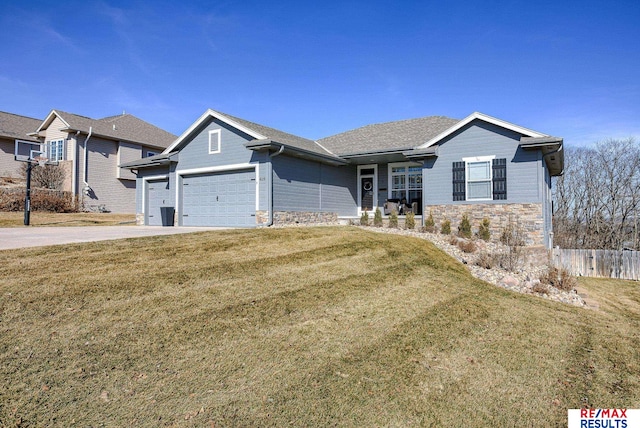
column 529, row 216
column 303, row 217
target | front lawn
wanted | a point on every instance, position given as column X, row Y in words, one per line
column 297, row 327
column 43, row 218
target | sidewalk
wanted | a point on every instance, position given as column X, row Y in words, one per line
column 23, row 237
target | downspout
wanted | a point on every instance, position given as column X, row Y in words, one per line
column 85, row 161
column 270, row 184
column 550, row 233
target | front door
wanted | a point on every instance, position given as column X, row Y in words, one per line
column 366, row 192
column 367, row 188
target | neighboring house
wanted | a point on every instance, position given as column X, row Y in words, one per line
column 226, row 171
column 90, row 150
column 15, row 141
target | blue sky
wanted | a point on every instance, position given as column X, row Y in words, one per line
column 566, row 68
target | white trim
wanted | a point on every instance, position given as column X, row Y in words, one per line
column 390, row 176
column 212, row 114
column 144, row 190
column 478, row 159
column 485, row 118
column 47, row 121
column 218, row 142
column 375, row 185
column 49, row 145
column 235, row 167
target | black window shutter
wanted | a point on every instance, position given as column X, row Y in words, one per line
column 458, row 181
column 499, row 179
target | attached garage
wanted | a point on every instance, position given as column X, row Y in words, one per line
column 159, row 210
column 225, row 199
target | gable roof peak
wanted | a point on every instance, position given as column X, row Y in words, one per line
column 254, row 130
column 485, row 118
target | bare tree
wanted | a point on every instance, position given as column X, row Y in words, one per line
column 597, row 200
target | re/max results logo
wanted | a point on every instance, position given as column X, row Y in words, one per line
column 604, row 418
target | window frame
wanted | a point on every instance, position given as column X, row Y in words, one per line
column 478, row 159
column 217, row 139
column 59, row 154
column 407, row 182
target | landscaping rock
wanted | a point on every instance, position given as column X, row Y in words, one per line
column 522, row 281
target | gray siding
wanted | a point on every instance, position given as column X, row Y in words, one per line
column 127, row 153
column 383, row 185
column 195, row 153
column 117, row 196
column 302, row 185
column 8, row 165
column 484, row 139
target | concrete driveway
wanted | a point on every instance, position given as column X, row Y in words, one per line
column 22, row 237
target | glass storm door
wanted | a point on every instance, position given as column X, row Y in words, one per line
column 366, row 193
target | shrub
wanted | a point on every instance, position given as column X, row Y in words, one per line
column 429, row 224
column 393, row 220
column 446, row 227
column 467, row 246
column 410, row 220
column 453, row 241
column 486, row 260
column 377, row 218
column 559, row 278
column 464, row 228
column 46, row 177
column 483, row 230
column 513, row 237
column 540, row 288
column 364, row 219
column 41, row 200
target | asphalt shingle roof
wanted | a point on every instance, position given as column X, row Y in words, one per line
column 17, row 127
column 124, row 127
column 388, row 136
column 280, row 136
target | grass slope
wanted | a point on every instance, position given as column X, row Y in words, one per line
column 302, row 327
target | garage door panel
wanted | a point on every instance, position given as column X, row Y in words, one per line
column 221, row 199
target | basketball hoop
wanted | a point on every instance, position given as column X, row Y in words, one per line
column 42, row 162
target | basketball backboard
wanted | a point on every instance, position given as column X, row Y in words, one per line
column 36, row 153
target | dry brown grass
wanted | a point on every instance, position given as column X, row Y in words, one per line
column 300, row 327
column 38, row 218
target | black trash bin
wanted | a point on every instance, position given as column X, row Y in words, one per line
column 167, row 215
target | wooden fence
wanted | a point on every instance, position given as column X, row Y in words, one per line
column 599, row 263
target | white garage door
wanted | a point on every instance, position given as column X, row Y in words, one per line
column 220, row 199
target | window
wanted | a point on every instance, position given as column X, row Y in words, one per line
column 481, row 178
column 56, row 150
column 149, row 153
column 478, row 180
column 406, row 182
column 214, row 141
